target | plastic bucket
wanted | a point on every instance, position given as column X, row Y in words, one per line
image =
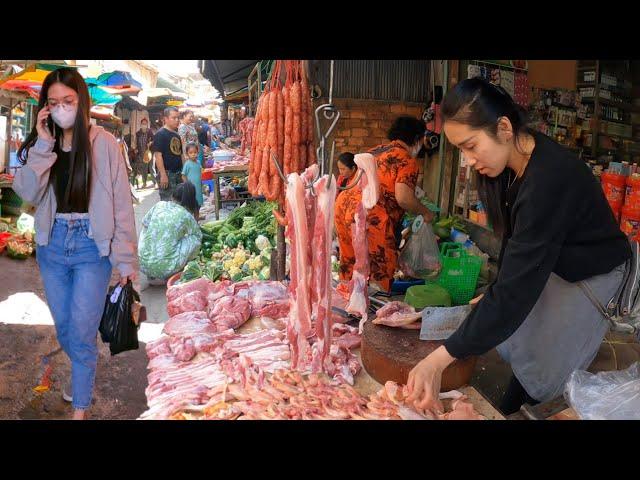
column 429, row 295
column 630, row 221
column 614, row 186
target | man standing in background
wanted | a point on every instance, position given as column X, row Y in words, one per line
column 168, row 154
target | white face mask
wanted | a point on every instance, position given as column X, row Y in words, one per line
column 64, row 115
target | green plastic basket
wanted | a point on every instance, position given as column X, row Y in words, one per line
column 460, row 271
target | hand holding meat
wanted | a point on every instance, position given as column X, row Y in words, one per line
column 425, row 380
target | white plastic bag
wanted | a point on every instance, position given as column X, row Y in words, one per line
column 26, row 223
column 605, row 395
column 420, row 258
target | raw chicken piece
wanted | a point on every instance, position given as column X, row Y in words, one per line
column 189, row 302
column 397, row 314
column 394, row 307
column 189, row 323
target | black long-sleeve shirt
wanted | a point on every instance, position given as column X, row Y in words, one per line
column 559, row 221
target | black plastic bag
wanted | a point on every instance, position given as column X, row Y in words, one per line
column 117, row 327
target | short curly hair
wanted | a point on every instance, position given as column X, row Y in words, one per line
column 408, row 129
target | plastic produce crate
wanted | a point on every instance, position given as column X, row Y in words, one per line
column 460, row 271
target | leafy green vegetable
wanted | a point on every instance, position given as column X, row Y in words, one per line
column 191, row 271
column 232, row 240
column 213, row 270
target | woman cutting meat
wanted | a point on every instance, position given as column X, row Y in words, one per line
column 557, row 229
column 397, row 171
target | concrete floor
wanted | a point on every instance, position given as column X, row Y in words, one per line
column 120, row 380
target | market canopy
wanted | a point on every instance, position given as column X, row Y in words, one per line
column 162, row 82
column 162, row 96
column 30, row 79
column 227, row 76
column 116, row 83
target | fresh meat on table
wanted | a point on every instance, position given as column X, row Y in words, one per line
column 229, row 312
column 189, row 323
column 397, row 314
column 272, row 310
column 201, row 285
column 269, row 299
column 189, row 302
column 346, row 336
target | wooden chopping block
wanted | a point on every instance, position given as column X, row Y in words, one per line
column 391, row 353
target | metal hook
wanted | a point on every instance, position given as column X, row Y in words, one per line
column 275, row 160
column 335, row 115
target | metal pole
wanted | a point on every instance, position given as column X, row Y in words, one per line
column 442, row 138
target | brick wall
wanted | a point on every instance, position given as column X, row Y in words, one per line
column 363, row 124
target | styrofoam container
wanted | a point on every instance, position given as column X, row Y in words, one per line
column 223, row 155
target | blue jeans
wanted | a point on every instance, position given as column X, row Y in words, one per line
column 76, row 279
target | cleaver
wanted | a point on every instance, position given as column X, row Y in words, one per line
column 438, row 323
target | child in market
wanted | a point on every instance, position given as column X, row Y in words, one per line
column 192, row 171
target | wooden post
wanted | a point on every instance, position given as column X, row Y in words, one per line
column 282, row 253
column 447, row 152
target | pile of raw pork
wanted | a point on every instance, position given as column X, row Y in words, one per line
column 200, row 351
column 236, row 161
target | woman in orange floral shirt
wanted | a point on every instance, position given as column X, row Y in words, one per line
column 397, row 173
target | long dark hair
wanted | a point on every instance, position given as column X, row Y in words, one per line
column 185, row 194
column 76, row 195
column 346, row 159
column 408, row 129
column 480, row 105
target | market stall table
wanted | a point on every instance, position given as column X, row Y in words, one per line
column 225, row 172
